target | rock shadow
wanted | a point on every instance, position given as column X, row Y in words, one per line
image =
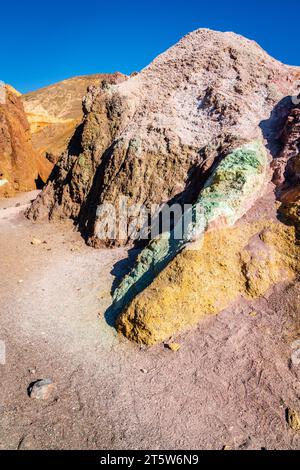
column 272, row 127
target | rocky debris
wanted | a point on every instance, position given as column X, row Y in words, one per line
column 155, row 137
column 54, row 112
column 41, row 389
column 21, row 168
column 293, row 419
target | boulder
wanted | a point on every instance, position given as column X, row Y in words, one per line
column 155, row 137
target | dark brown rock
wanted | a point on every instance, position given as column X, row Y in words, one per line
column 41, row 389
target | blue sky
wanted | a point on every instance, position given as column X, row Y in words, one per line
column 44, row 42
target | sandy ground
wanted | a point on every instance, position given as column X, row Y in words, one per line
column 229, row 384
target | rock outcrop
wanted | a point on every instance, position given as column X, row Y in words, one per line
column 155, row 137
column 237, row 182
column 21, row 168
column 287, row 169
column 243, row 261
column 55, row 111
column 206, row 123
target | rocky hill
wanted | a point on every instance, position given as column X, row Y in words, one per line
column 155, row 136
column 55, row 111
column 21, row 167
column 209, row 122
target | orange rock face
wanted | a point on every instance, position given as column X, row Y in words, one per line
column 21, row 168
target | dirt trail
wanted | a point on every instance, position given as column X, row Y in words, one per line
column 229, row 384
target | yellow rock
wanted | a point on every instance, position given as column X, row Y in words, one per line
column 245, row 260
column 253, row 313
column 173, row 346
column 291, row 212
column 36, row 241
column 13, row 90
column 293, row 419
column 104, row 294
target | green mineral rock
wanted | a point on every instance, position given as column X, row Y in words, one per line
column 228, row 193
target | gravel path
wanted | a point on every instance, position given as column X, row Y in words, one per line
column 228, row 385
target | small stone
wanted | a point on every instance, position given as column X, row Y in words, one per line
column 173, row 346
column 293, row 419
column 225, row 447
column 20, row 281
column 41, row 389
column 253, row 313
column 75, row 248
column 103, row 294
column 36, row 241
column 144, row 371
column 32, row 371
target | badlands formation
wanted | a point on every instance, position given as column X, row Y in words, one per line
column 212, row 123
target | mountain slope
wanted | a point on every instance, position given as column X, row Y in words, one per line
column 55, row 111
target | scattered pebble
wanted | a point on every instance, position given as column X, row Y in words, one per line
column 173, row 346
column 293, row 419
column 225, row 447
column 41, row 389
column 20, row 281
column 253, row 313
column 103, row 294
column 144, row 371
column 75, row 248
column 36, row 241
